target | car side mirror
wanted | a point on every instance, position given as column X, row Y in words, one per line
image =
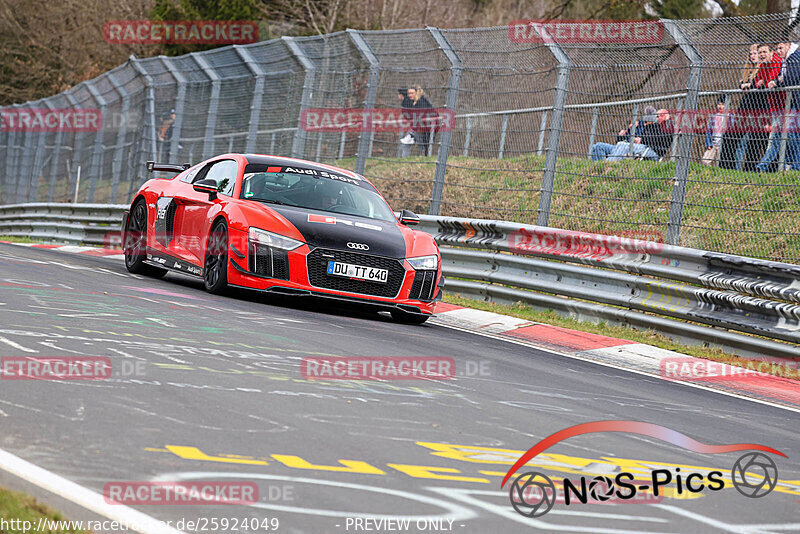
column 206, row 185
column 409, row 218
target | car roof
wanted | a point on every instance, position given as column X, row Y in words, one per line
column 291, row 162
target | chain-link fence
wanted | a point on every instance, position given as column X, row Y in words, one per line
column 609, row 136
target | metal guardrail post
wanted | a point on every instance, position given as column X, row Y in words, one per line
column 258, row 93
column 372, row 92
column 122, row 127
column 685, row 140
column 554, row 136
column 97, row 151
column 150, row 103
column 180, row 100
column 213, row 103
column 451, row 102
column 299, row 141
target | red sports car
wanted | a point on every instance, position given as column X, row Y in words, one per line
column 285, row 226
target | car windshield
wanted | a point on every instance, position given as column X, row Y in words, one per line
column 314, row 189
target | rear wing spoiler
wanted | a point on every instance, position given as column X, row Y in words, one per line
column 169, row 167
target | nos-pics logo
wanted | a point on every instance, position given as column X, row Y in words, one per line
column 533, row 494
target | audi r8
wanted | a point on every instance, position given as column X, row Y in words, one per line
column 283, row 225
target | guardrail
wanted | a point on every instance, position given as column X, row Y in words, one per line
column 640, row 283
column 696, row 295
column 78, row 224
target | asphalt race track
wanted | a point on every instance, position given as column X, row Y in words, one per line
column 210, row 388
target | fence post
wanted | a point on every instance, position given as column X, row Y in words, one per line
column 593, row 130
column 503, row 136
column 451, row 101
column 180, row 100
column 467, row 136
column 784, row 127
column 24, row 163
column 632, row 129
column 372, row 92
column 122, row 128
column 10, row 168
column 258, row 93
column 38, row 161
column 554, row 135
column 542, row 128
column 213, row 103
column 77, row 147
column 97, row 152
column 299, row 141
column 150, row 105
column 685, row 139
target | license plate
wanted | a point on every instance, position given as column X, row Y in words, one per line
column 348, row 270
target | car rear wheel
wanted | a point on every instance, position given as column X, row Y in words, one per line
column 215, row 271
column 408, row 318
column 135, row 246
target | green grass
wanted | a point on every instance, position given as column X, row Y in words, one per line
column 16, row 239
column 15, row 505
column 649, row 337
column 751, row 214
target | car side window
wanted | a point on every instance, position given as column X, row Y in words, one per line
column 223, row 173
column 189, row 176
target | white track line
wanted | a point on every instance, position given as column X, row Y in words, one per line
column 15, row 345
column 86, row 498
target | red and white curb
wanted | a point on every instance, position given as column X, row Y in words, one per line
column 620, row 353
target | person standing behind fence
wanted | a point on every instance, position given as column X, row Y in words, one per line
column 716, row 129
column 790, row 77
column 421, row 118
column 735, row 141
column 165, row 134
column 766, row 78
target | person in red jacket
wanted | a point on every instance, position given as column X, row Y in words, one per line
column 766, row 78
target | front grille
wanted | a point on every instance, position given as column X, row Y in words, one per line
column 423, row 286
column 269, row 262
column 317, row 263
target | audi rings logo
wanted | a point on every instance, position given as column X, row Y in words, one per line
column 760, row 465
column 532, row 494
column 358, row 246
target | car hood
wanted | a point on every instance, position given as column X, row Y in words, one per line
column 332, row 230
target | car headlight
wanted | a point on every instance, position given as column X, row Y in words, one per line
column 262, row 237
column 425, row 263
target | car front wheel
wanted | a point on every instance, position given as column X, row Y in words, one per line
column 215, row 271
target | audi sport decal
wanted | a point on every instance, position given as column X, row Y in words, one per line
column 327, row 219
column 316, row 172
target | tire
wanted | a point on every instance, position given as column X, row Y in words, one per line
column 135, row 246
column 408, row 318
column 215, row 267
